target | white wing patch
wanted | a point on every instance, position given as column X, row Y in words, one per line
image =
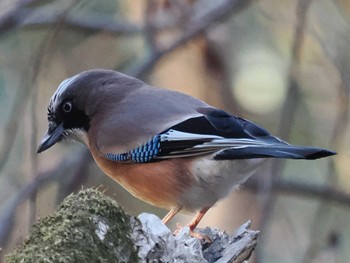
column 210, row 143
column 173, row 135
column 213, row 140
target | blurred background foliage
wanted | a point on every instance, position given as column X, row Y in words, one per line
column 282, row 64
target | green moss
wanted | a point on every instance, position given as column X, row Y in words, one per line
column 87, row 227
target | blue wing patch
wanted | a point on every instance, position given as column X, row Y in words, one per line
column 142, row 154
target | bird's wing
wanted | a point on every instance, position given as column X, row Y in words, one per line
column 215, row 130
column 218, row 133
column 124, row 124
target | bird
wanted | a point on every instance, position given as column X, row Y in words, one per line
column 166, row 148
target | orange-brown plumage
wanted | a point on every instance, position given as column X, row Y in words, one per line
column 161, row 183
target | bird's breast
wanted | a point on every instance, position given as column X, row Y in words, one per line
column 189, row 183
column 159, row 183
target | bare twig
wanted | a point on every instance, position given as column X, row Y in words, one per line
column 14, row 18
column 280, row 186
column 197, row 26
column 22, row 16
column 92, row 24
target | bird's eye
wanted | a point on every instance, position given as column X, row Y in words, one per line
column 67, row 106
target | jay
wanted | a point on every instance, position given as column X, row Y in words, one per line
column 166, row 148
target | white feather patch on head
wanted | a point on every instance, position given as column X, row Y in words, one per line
column 60, row 90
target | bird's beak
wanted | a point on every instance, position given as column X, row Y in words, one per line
column 53, row 135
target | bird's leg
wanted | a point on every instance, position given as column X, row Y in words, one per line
column 193, row 224
column 170, row 215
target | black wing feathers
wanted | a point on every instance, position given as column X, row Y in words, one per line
column 198, row 125
column 288, row 152
column 230, row 137
column 236, row 127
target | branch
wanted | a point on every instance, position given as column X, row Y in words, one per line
column 201, row 23
column 14, row 18
column 325, row 193
column 91, row 24
column 22, row 16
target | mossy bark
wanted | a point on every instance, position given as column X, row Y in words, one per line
column 87, row 227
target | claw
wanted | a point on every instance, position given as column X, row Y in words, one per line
column 203, row 238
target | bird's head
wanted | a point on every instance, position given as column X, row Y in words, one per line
column 66, row 114
column 78, row 100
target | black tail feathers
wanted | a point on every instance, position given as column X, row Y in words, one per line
column 273, row 151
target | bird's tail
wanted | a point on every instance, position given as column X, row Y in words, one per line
column 273, row 151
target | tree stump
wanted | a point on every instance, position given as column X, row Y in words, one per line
column 91, row 227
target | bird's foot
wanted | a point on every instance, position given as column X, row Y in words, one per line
column 201, row 237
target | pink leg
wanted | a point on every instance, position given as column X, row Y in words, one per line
column 170, row 215
column 194, row 222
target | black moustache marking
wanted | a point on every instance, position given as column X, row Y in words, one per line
column 76, row 119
